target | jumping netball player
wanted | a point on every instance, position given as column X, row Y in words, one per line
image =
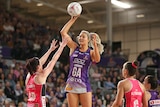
column 130, row 88
column 36, row 77
column 151, row 83
column 81, row 56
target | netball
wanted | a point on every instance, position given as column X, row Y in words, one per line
column 74, row 9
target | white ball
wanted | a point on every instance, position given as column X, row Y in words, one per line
column 74, row 9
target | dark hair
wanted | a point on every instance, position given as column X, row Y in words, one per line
column 131, row 67
column 153, row 81
column 32, row 64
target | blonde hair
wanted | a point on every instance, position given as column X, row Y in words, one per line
column 98, row 41
column 86, row 32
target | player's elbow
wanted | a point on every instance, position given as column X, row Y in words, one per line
column 117, row 104
column 62, row 32
column 97, row 60
column 145, row 105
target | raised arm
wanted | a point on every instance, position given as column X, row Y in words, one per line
column 95, row 55
column 53, row 46
column 64, row 32
column 55, row 57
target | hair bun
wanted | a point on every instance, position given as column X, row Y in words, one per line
column 135, row 64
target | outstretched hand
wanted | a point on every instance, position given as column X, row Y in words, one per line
column 53, row 45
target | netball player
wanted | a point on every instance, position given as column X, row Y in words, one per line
column 37, row 75
column 151, row 83
column 78, row 87
column 130, row 88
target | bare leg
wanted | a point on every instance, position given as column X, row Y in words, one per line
column 73, row 100
column 86, row 99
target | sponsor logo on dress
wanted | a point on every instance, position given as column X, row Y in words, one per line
column 68, row 87
column 155, row 102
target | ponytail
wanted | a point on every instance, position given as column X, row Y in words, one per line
column 134, row 64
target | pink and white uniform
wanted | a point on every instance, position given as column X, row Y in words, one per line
column 134, row 95
column 36, row 93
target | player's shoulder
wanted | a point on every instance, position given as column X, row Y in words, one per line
column 142, row 86
column 122, row 82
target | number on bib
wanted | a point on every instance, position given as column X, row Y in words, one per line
column 135, row 103
column 76, row 72
column 32, row 96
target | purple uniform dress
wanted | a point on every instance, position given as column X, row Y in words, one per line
column 154, row 101
column 78, row 77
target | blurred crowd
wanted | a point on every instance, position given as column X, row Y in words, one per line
column 25, row 37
